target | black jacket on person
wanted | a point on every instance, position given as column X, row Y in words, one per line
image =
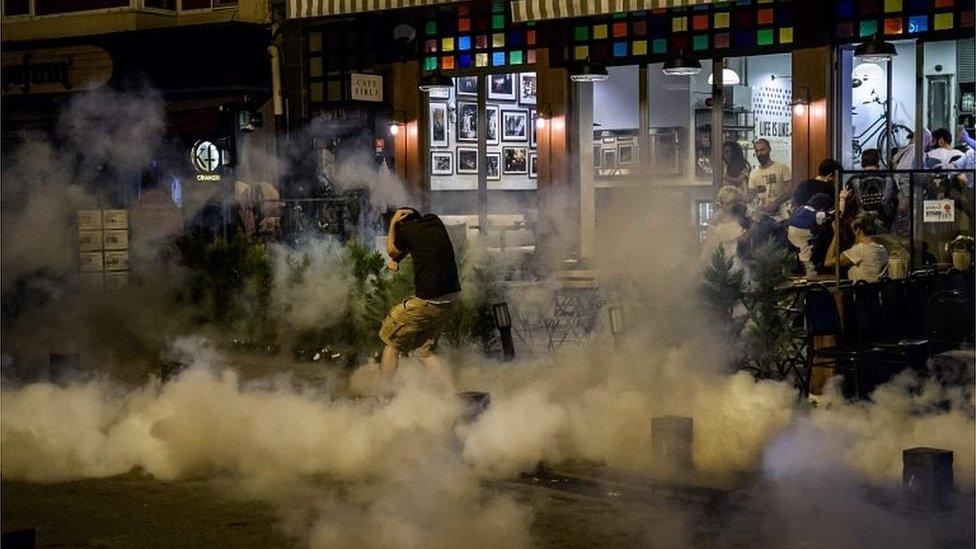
column 435, row 271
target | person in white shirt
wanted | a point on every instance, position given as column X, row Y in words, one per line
column 726, row 228
column 770, row 188
column 867, row 259
column 942, row 153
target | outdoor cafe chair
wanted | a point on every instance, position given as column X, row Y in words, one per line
column 823, row 319
column 949, row 320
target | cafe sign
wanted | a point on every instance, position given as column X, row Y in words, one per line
column 205, row 158
column 367, row 87
column 939, row 211
column 55, row 70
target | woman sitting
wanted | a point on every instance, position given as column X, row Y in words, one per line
column 867, row 259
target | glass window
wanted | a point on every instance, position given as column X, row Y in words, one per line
column 195, row 4
column 948, row 100
column 616, row 123
column 16, row 7
column 50, row 7
column 671, row 102
column 168, row 5
column 865, row 107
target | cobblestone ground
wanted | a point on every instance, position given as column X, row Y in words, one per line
column 134, row 510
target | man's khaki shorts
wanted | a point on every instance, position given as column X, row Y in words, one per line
column 415, row 324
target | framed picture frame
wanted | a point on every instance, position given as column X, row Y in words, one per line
column 597, row 156
column 467, row 160
column 608, row 160
column 494, row 166
column 467, row 121
column 515, row 125
column 438, row 124
column 533, row 115
column 515, row 160
column 527, row 88
column 441, row 163
column 502, row 86
column 626, row 153
column 533, row 165
column 466, row 86
column 493, row 122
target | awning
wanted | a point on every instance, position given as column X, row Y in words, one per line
column 538, row 10
column 325, row 8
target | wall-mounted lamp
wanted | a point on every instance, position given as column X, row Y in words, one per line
column 542, row 115
column 397, row 121
column 801, row 104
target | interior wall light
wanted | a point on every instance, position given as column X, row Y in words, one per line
column 542, row 115
column 397, row 121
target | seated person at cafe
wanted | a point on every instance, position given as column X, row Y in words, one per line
column 867, row 259
column 728, row 227
column 806, row 226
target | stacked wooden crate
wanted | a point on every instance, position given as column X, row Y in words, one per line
column 103, row 248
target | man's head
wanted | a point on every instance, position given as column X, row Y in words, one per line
column 405, row 213
column 870, row 159
column 941, row 138
column 762, row 150
column 827, row 169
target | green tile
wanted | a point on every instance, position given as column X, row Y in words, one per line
column 764, row 37
column 498, row 21
column 515, row 57
column 430, row 64
column 700, row 42
column 431, row 28
column 660, row 46
column 869, row 28
column 581, row 33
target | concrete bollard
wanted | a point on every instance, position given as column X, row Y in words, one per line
column 475, row 403
column 671, row 438
column 927, row 475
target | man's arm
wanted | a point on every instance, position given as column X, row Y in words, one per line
column 395, row 254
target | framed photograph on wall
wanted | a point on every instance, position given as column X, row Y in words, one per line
column 515, row 125
column 609, row 160
column 441, row 163
column 515, row 160
column 467, row 121
column 493, row 166
column 438, row 124
column 492, row 120
column 626, row 153
column 501, row 86
column 527, row 88
column 532, row 117
column 467, row 160
column 533, row 165
column 466, row 85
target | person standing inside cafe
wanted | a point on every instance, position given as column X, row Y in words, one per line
column 769, row 184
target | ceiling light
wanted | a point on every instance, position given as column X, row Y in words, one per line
column 875, row 50
column 590, row 72
column 681, row 65
column 729, row 77
column 435, row 82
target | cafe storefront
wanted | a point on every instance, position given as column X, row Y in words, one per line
column 515, row 143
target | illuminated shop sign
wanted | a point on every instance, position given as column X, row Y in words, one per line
column 205, row 158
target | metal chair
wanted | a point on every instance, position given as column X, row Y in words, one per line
column 949, row 320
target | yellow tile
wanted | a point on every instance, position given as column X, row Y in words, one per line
column 315, row 66
column 481, row 59
column 943, row 21
column 721, row 20
column 892, row 5
column 447, row 44
column 599, row 31
column 498, row 40
column 581, row 52
column 639, row 47
column 679, row 24
column 786, row 35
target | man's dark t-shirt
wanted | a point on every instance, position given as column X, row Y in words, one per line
column 806, row 189
column 434, row 268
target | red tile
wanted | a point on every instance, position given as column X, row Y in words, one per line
column 764, row 16
column 699, row 22
column 464, row 25
column 619, row 30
